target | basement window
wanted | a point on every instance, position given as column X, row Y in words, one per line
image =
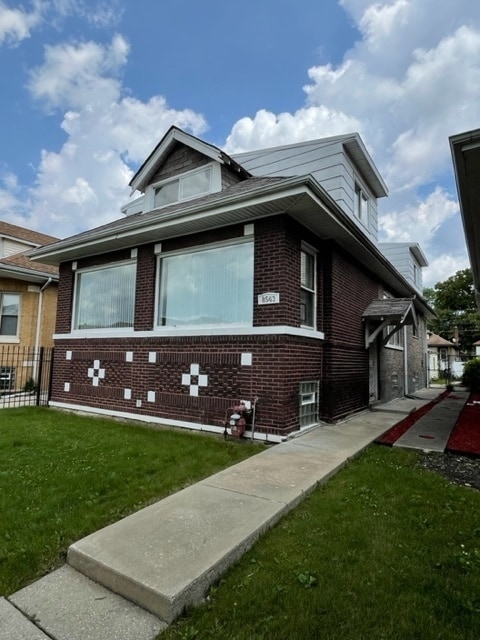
column 308, row 410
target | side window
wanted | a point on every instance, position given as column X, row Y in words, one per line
column 9, row 313
column 361, row 204
column 308, row 263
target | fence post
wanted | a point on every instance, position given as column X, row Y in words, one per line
column 40, row 375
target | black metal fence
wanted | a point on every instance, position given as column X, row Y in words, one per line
column 25, row 375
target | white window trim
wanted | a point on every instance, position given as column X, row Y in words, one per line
column 391, row 345
column 360, row 192
column 104, row 331
column 307, row 248
column 13, row 339
column 189, row 250
column 215, row 184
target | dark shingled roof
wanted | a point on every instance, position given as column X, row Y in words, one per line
column 388, row 307
column 437, row 341
column 21, row 261
column 20, row 233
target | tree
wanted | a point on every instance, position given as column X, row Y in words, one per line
column 454, row 304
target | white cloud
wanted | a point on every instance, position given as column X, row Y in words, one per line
column 85, row 183
column 419, row 220
column 442, row 267
column 267, row 129
column 16, row 24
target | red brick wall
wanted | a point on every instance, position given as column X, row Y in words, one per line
column 348, row 289
column 279, row 365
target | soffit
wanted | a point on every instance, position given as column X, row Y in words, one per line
column 465, row 148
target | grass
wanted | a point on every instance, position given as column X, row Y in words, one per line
column 385, row 550
column 63, row 476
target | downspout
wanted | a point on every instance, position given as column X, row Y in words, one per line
column 39, row 326
column 405, row 361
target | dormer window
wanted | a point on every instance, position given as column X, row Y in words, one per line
column 185, row 187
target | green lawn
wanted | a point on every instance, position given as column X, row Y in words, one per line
column 63, row 476
column 385, row 550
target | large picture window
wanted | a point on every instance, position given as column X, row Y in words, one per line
column 105, row 297
column 210, row 286
column 9, row 306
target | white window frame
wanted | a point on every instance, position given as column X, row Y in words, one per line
column 100, row 330
column 361, row 204
column 397, row 339
column 214, row 184
column 11, row 337
column 309, row 250
column 188, row 251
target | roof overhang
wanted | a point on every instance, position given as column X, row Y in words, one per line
column 302, row 198
column 465, row 148
column 26, row 275
column 393, row 313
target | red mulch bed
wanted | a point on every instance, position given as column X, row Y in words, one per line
column 397, row 431
column 465, row 436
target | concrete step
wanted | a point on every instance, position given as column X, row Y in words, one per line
column 65, row 605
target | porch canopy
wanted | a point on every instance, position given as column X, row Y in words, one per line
column 387, row 313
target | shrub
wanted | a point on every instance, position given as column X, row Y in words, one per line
column 471, row 375
column 30, row 385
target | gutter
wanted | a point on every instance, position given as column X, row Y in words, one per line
column 39, row 324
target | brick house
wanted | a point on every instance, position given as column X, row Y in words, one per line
column 28, row 302
column 253, row 278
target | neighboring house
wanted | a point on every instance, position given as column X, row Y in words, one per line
column 28, row 302
column 233, row 279
column 443, row 358
column 477, row 348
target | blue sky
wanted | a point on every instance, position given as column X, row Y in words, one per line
column 88, row 88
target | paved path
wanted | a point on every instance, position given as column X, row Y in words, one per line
column 432, row 430
column 130, row 579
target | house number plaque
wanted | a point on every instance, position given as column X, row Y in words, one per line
column 269, row 298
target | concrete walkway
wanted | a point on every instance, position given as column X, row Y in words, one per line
column 130, row 579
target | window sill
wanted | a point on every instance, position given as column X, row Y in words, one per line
column 184, row 332
column 9, row 340
column 394, row 347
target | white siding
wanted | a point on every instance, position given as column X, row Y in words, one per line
column 328, row 162
column 9, row 247
column 401, row 256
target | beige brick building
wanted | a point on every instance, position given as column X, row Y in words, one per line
column 28, row 303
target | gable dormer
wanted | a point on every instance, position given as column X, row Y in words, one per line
column 181, row 168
